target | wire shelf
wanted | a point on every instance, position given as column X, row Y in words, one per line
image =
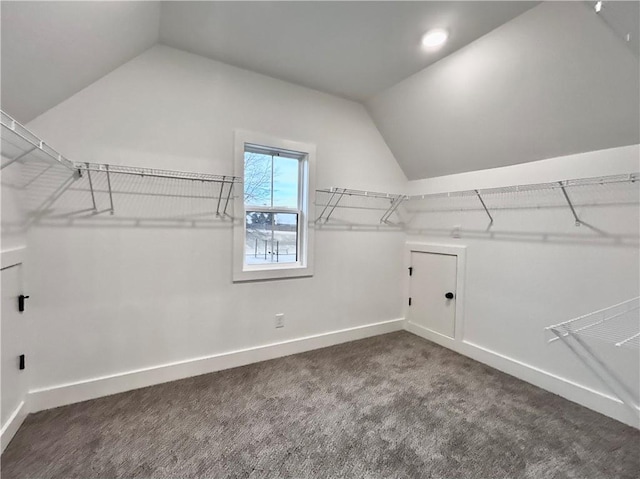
column 621, row 189
column 368, row 194
column 99, row 180
column 557, row 185
column 156, row 173
column 19, row 143
column 618, row 325
column 388, row 203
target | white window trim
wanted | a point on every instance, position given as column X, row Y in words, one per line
column 304, row 267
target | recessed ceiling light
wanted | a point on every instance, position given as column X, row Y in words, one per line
column 434, row 38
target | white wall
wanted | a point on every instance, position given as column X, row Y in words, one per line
column 111, row 295
column 534, row 267
column 13, row 233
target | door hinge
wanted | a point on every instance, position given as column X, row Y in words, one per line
column 21, row 365
column 409, row 301
column 410, row 270
column 21, row 299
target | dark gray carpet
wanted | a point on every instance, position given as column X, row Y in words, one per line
column 393, row 406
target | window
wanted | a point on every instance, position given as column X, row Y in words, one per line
column 274, row 238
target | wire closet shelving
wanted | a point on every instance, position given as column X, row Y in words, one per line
column 390, row 202
column 617, row 326
column 19, row 144
column 486, row 199
column 490, row 199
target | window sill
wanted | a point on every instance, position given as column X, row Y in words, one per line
column 266, row 274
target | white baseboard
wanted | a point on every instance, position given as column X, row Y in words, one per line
column 13, row 424
column 587, row 397
column 60, row 395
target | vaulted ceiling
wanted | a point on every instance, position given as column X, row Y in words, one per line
column 554, row 81
column 516, row 82
column 349, row 49
column 51, row 50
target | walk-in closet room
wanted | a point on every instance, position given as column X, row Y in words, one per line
column 320, row 239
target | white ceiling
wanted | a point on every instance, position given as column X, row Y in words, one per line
column 52, row 50
column 624, row 18
column 554, row 81
column 349, row 49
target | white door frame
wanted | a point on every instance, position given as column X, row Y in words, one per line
column 460, row 252
column 10, row 259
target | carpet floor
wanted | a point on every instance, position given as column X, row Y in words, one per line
column 392, row 406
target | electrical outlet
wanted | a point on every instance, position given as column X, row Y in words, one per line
column 280, row 320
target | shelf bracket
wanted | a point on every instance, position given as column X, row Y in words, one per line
column 93, row 196
column 220, row 195
column 106, row 167
column 226, row 203
column 566, row 197
column 486, row 210
column 334, row 205
column 597, row 367
column 326, row 206
column 395, row 203
column 19, row 157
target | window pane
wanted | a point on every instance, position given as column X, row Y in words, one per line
column 271, row 238
column 285, row 236
column 257, row 179
column 285, row 182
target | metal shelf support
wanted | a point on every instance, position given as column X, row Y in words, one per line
column 334, row 206
column 226, row 203
column 566, row 197
column 93, row 196
column 603, row 372
column 395, row 203
column 110, row 191
column 485, row 208
column 333, row 194
column 220, row 196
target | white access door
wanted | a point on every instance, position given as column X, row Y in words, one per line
column 12, row 342
column 433, row 292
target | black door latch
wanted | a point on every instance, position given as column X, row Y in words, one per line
column 21, row 299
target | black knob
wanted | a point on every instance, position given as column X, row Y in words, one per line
column 449, row 295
